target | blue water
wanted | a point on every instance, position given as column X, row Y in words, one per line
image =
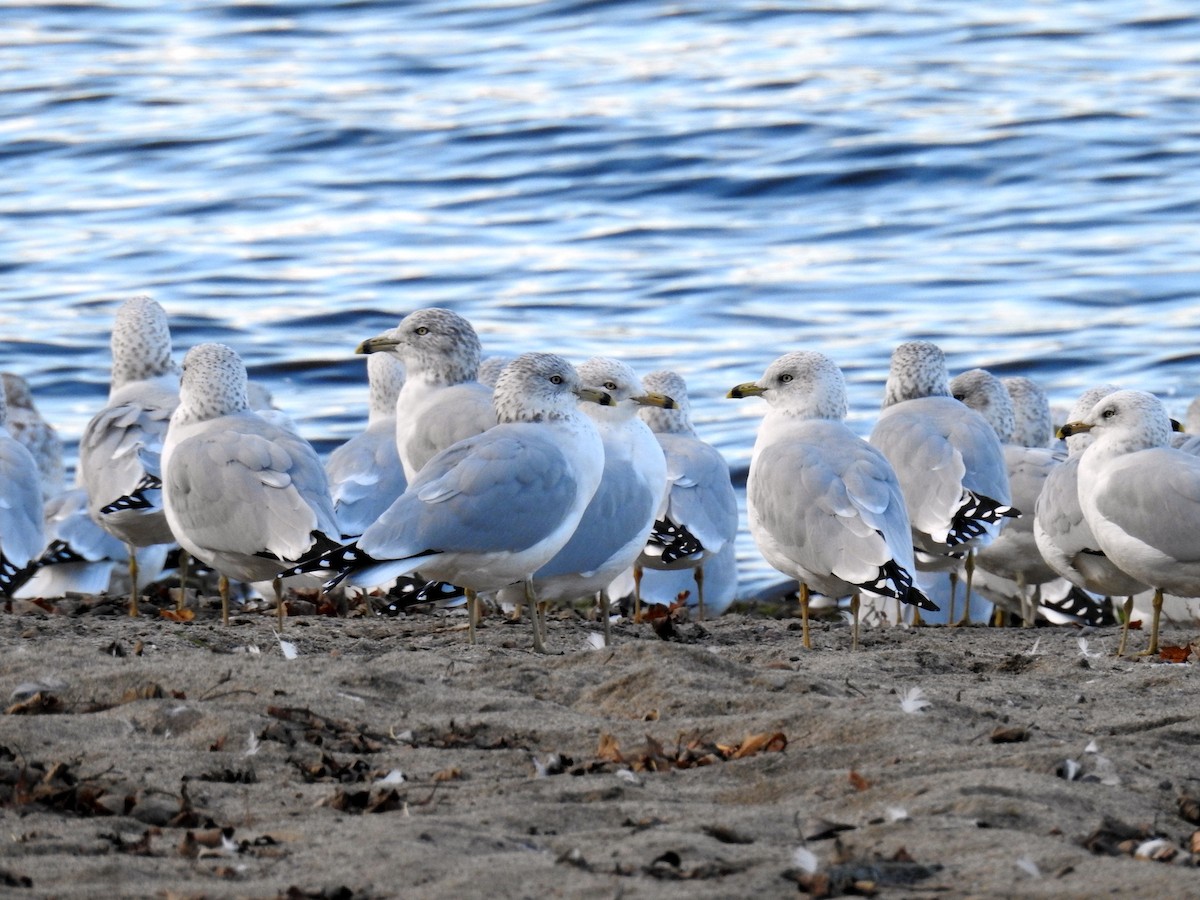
column 694, row 185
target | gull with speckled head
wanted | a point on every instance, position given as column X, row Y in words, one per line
column 824, row 506
column 490, row 510
column 1140, row 496
column 441, row 402
column 948, row 459
column 620, row 514
column 698, row 517
column 1013, row 555
column 242, row 494
column 123, row 496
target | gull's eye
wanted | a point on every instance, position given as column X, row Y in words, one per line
column 422, row 330
column 961, row 398
column 610, row 386
column 1109, row 413
column 785, row 378
column 556, row 379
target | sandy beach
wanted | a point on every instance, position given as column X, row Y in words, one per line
column 388, row 758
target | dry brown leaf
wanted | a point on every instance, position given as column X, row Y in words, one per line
column 767, row 742
column 454, row 773
column 178, row 615
column 609, row 749
column 858, row 782
column 1174, row 654
column 41, row 702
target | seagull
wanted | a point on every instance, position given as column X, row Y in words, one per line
column 948, row 459
column 621, row 512
column 21, row 534
column 1063, row 536
column 242, row 494
column 365, row 474
column 490, row 510
column 1014, row 555
column 119, row 439
column 441, row 401
column 1140, row 496
column 824, row 506
column 698, row 517
column 39, row 437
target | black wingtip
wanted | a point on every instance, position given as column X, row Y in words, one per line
column 673, row 541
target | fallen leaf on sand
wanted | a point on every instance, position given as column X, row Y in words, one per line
column 177, row 615
column 1174, row 654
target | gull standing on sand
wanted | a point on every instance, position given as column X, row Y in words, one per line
column 1141, row 497
column 365, row 474
column 620, row 514
column 824, row 506
column 242, row 494
column 131, row 427
column 949, row 461
column 491, row 510
column 1014, row 555
column 1063, row 535
column 698, row 517
column 21, row 535
column 441, row 401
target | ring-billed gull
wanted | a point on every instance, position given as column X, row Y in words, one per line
column 1014, row 555
column 1033, row 424
column 620, row 514
column 1063, row 536
column 21, row 534
column 365, row 474
column 491, row 510
column 699, row 515
column 1140, row 496
column 441, row 401
column 241, row 494
column 31, row 430
column 947, row 457
column 112, row 451
column 824, row 506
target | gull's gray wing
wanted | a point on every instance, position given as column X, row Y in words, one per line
column 503, row 490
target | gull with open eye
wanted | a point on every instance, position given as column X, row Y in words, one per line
column 825, row 507
column 441, row 402
column 1141, row 497
column 490, row 510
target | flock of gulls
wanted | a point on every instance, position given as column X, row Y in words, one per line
column 526, row 482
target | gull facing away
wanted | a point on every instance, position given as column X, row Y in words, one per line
column 130, row 428
column 441, row 401
column 620, row 514
column 1013, row 555
column 242, row 494
column 824, row 506
column 948, row 459
column 21, row 535
column 1140, row 496
column 39, row 437
column 365, row 474
column 698, row 517
column 1063, row 535
column 490, row 510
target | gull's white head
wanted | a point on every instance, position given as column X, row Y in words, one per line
column 804, row 384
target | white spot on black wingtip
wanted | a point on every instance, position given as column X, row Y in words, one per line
column 671, row 541
column 892, row 580
column 136, row 499
column 975, row 512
